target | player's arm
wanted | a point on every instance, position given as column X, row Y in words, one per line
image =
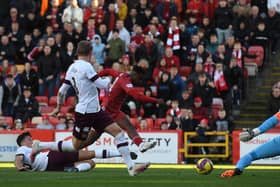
column 134, row 92
column 108, row 72
column 101, row 83
column 19, row 163
column 266, row 125
column 61, row 96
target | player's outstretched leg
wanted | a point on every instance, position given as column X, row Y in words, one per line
column 125, row 124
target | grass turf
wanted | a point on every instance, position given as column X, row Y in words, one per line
column 152, row 177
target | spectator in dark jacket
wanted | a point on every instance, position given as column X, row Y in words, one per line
column 48, row 69
column 165, row 10
column 28, row 106
column 11, row 96
column 7, row 50
column 29, row 78
column 274, row 101
column 223, row 19
column 273, row 23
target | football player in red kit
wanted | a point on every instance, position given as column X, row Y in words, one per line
column 120, row 89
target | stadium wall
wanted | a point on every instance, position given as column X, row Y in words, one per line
column 166, row 151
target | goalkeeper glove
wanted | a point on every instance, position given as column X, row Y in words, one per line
column 247, row 135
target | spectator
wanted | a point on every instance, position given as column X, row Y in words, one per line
column 212, row 46
column 166, row 10
column 262, row 5
column 15, row 35
column 223, row 19
column 45, row 125
column 73, row 14
column 11, row 96
column 147, row 50
column 7, row 50
column 170, row 122
column 199, row 112
column 123, row 33
column 242, row 32
column 32, row 21
column 125, row 65
column 68, row 34
column 53, row 15
column 98, row 49
column 138, row 37
column 3, row 123
column 186, row 101
column 62, row 123
column 205, row 89
column 171, row 59
column 67, row 57
column 174, row 111
column 274, row 100
column 102, row 32
column 115, row 47
column 173, row 37
column 196, row 8
column 110, row 17
column 273, row 23
column 144, row 19
column 121, row 9
column 90, row 29
column 18, row 125
column 70, row 123
column 27, row 107
column 130, row 20
column 260, row 35
column 201, row 54
column 143, row 125
column 29, row 78
column 201, row 137
column 163, row 125
column 193, row 26
column 25, row 48
column 241, row 9
column 48, row 69
column 164, row 91
column 177, row 83
column 186, row 120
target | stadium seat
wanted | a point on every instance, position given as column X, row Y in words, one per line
column 259, row 52
column 54, row 121
column 158, row 121
column 134, row 122
column 65, row 109
column 70, row 101
column 150, row 123
column 185, row 71
column 53, row 101
column 35, row 121
column 42, row 100
column 46, row 109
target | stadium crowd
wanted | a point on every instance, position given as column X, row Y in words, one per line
column 193, row 51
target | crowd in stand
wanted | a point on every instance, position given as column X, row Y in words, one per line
column 193, row 52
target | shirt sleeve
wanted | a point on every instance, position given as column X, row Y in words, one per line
column 127, row 86
column 20, row 151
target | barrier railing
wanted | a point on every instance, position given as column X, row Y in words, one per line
column 188, row 144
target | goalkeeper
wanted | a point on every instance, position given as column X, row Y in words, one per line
column 269, row 149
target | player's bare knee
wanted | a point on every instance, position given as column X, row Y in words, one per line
column 92, row 163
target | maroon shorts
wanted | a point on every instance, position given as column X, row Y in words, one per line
column 57, row 161
column 84, row 122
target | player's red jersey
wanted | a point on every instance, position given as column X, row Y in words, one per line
column 121, row 88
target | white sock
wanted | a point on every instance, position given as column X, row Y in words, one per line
column 122, row 145
column 48, row 145
column 62, row 146
column 83, row 166
column 106, row 153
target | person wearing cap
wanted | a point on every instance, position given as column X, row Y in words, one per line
column 28, row 106
column 11, row 95
column 201, row 137
column 199, row 112
column 45, row 125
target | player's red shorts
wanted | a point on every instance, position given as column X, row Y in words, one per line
column 116, row 115
column 57, row 161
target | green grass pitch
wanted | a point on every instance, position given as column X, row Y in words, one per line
column 152, row 177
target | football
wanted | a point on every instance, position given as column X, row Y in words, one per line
column 204, row 166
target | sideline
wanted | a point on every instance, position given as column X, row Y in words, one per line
column 164, row 166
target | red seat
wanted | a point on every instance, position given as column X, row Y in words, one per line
column 65, row 109
column 150, row 123
column 70, row 101
column 259, row 52
column 185, row 71
column 135, row 122
column 53, row 101
column 42, row 100
column 158, row 121
column 54, row 121
column 46, row 109
column 9, row 121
